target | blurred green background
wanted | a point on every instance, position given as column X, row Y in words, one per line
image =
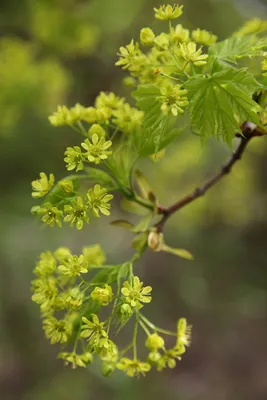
column 62, row 52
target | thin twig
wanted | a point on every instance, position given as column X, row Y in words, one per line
column 248, row 132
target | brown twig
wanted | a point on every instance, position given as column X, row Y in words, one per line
column 248, row 132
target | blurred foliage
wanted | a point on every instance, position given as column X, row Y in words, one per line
column 56, row 52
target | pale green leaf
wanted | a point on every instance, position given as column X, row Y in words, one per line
column 221, row 102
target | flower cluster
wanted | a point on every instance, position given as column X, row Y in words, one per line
column 77, row 210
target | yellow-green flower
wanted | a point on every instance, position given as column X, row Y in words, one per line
column 98, row 200
column 46, row 265
column 77, row 360
column 66, row 185
column 109, row 100
column 58, row 331
column 102, row 295
column 168, row 12
column 97, row 130
column 59, row 117
column 254, row 25
column 97, row 150
column 190, row 53
column 147, row 36
column 133, row 367
column 127, row 118
column 74, row 158
column 93, row 330
column 173, row 100
column 62, row 254
column 76, row 213
column 180, row 34
column 74, row 298
column 51, row 214
column 135, row 293
column 94, row 255
column 183, row 332
column 154, row 342
column 45, row 292
column 73, row 266
column 128, row 55
column 43, row 185
column 204, row 37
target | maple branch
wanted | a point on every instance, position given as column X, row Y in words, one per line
column 249, row 131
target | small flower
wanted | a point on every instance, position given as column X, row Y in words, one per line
column 74, row 158
column 204, row 37
column 133, row 367
column 76, row 113
column 183, row 332
column 109, row 100
column 45, row 292
column 74, row 298
column 180, row 34
column 46, row 265
column 94, row 255
column 51, row 214
column 128, row 55
column 128, row 119
column 77, row 360
column 162, row 41
column 98, row 200
column 97, row 150
column 43, row 185
column 147, row 36
column 94, row 330
column 254, row 25
column 168, row 12
column 59, row 117
column 173, row 100
column 168, row 359
column 97, row 130
column 58, row 331
column 135, row 293
column 76, row 213
column 66, row 185
column 190, row 53
column 102, row 295
column 154, row 342
column 62, row 254
column 73, row 266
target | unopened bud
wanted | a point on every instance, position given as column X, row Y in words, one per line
column 147, row 36
column 155, row 241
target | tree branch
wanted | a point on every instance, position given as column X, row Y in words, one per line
column 249, row 131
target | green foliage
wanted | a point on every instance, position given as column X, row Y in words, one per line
column 177, row 82
column 214, row 97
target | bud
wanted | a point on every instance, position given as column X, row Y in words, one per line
column 155, row 241
column 126, row 309
column 147, row 36
column 97, row 129
column 154, row 342
column 66, row 185
column 107, row 369
column 154, row 357
column 102, row 295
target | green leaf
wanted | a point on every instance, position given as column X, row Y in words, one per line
column 143, row 185
column 234, row 48
column 157, row 129
column 178, row 252
column 124, row 272
column 106, row 275
column 143, row 224
column 123, row 224
column 221, row 102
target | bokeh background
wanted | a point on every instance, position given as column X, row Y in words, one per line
column 62, row 52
